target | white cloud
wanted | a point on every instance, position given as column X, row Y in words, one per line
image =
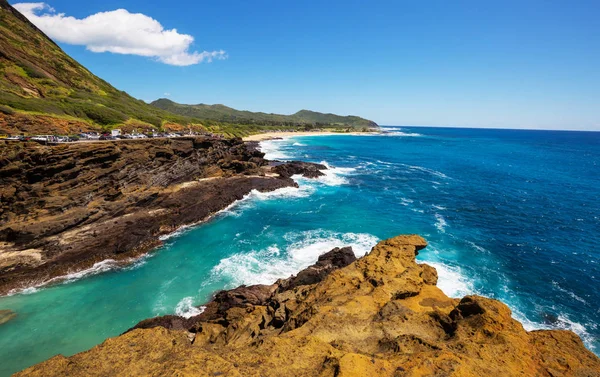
column 166, row 94
column 119, row 32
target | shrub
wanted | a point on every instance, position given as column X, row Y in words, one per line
column 102, row 115
column 6, row 110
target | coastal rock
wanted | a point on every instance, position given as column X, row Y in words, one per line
column 332, row 260
column 6, row 315
column 255, row 295
column 379, row 316
column 306, row 169
column 65, row 207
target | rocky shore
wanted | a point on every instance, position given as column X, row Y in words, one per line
column 64, row 208
column 381, row 315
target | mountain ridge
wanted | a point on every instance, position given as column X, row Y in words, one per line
column 220, row 112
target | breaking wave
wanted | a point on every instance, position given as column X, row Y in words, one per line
column 272, row 149
column 98, row 268
column 281, row 261
column 440, row 223
column 185, row 308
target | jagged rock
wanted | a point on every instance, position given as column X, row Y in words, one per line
column 64, row 208
column 334, row 259
column 306, row 169
column 344, row 325
column 256, row 295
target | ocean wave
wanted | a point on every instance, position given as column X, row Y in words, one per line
column 426, row 170
column 406, row 202
column 440, row 223
column 272, row 149
column 454, row 283
column 185, row 308
column 561, row 322
column 284, row 193
column 335, row 176
column 567, row 292
column 402, row 134
column 303, row 249
column 98, row 268
column 476, row 247
column 451, row 280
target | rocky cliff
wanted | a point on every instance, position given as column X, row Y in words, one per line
column 381, row 315
column 64, row 208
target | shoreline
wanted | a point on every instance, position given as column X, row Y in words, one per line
column 93, row 266
column 115, row 263
column 261, row 322
column 280, row 135
column 122, row 224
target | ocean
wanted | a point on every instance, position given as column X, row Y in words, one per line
column 512, row 215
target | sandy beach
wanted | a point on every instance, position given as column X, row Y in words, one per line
column 277, row 135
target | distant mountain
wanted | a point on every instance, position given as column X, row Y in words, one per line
column 224, row 113
column 39, row 81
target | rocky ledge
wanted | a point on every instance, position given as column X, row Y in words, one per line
column 381, row 315
column 64, row 208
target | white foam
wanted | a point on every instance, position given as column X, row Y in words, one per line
column 303, row 249
column 476, row 247
column 284, row 193
column 454, row 283
column 335, row 176
column 402, row 134
column 98, row 268
column 563, row 322
column 440, row 223
column 406, row 202
column 272, row 149
column 185, row 308
column 426, row 170
column 569, row 293
column 451, row 280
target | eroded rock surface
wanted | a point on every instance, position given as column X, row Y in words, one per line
column 381, row 315
column 64, row 208
column 306, row 169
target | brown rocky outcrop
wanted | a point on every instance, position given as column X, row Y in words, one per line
column 64, row 208
column 382, row 315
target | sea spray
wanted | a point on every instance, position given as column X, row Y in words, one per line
column 281, row 261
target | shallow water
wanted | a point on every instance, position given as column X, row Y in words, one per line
column 509, row 214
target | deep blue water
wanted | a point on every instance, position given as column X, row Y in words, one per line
column 512, row 215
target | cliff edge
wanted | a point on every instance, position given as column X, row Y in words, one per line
column 381, row 315
column 64, row 208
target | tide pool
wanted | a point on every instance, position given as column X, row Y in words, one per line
column 512, row 215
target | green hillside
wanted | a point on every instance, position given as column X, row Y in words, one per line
column 38, row 77
column 227, row 114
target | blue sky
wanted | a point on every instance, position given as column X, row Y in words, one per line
column 508, row 64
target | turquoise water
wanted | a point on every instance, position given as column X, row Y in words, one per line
column 509, row 214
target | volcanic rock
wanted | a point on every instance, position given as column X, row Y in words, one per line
column 65, row 207
column 356, row 321
column 306, row 169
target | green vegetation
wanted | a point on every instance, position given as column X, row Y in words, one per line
column 223, row 113
column 38, row 78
